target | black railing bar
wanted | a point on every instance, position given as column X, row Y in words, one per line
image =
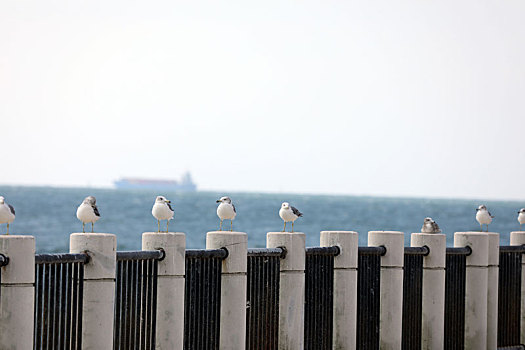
column 330, row 251
column 459, row 250
column 512, row 248
column 4, row 260
column 141, row 255
column 61, row 258
column 417, row 250
column 280, row 252
column 513, row 347
column 381, row 250
column 207, row 253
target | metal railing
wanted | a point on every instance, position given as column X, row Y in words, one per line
column 59, row 281
column 262, row 305
column 319, row 296
column 202, row 300
column 136, row 299
column 455, row 270
column 412, row 296
column 368, row 296
column 4, row 260
column 509, row 295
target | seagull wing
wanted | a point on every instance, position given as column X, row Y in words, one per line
column 435, row 227
column 95, row 209
column 492, row 216
column 296, row 211
column 11, row 208
column 235, row 211
column 169, row 206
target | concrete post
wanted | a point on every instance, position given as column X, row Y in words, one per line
column 391, row 314
column 17, row 292
column 170, row 287
column 518, row 238
column 476, row 288
column 233, row 287
column 345, row 287
column 492, row 290
column 433, row 301
column 291, row 293
column 99, row 287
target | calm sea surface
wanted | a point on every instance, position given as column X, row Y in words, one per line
column 50, row 215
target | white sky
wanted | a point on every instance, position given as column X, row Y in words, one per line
column 412, row 98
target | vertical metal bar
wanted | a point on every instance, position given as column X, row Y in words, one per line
column 412, row 298
column 154, row 303
column 149, row 334
column 74, row 302
column 455, row 301
column 509, row 299
column 368, row 284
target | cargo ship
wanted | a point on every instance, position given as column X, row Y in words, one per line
column 186, row 184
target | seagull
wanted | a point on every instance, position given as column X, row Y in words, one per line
column 483, row 216
column 88, row 212
column 430, row 226
column 289, row 213
column 226, row 211
column 521, row 217
column 7, row 213
column 162, row 211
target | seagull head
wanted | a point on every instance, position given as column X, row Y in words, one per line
column 2, row 200
column 428, row 220
column 224, row 200
column 522, row 210
column 162, row 199
column 285, row 205
column 90, row 200
column 481, row 207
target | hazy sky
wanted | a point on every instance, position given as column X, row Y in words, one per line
column 413, row 98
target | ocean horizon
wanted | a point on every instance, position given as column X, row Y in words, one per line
column 49, row 214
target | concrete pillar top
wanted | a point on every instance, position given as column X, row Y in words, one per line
column 347, row 241
column 102, row 248
column 174, row 246
column 437, row 243
column 394, row 241
column 478, row 242
column 493, row 256
column 237, row 245
column 21, row 253
column 517, row 237
column 295, row 246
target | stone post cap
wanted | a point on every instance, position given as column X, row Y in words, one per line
column 517, row 237
column 394, row 242
column 347, row 241
column 294, row 242
column 102, row 250
column 237, row 245
column 478, row 242
column 174, row 246
column 437, row 244
column 20, row 250
column 493, row 256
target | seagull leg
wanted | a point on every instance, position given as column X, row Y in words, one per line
column 158, row 226
column 481, row 229
column 220, row 226
column 284, row 229
column 83, row 227
column 167, row 225
column 7, row 229
column 231, row 225
column 92, row 227
column 292, row 226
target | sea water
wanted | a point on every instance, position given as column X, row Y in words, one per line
column 49, row 214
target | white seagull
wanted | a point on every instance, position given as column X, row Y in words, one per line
column 7, row 213
column 521, row 217
column 88, row 212
column 289, row 213
column 226, row 211
column 430, row 226
column 162, row 211
column 483, row 216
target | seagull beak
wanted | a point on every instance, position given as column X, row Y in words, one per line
column 168, row 201
column 218, row 201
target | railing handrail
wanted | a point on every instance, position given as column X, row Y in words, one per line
column 221, row 253
column 381, row 250
column 330, row 251
column 61, row 258
column 4, row 260
column 417, row 250
column 512, row 248
column 279, row 251
column 141, row 255
column 459, row 251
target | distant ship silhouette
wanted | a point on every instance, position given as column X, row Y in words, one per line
column 186, row 184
